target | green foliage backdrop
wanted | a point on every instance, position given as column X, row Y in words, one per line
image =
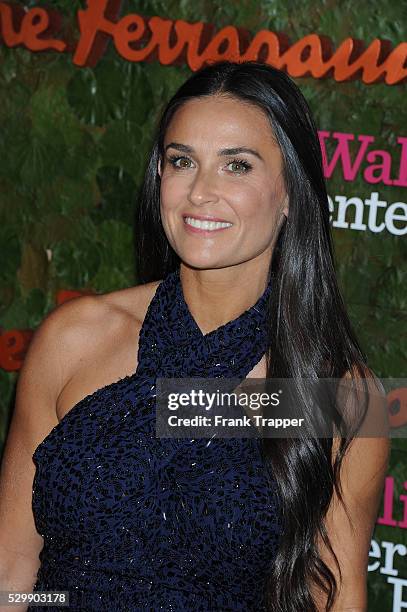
column 73, row 145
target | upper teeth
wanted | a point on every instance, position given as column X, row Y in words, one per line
column 206, row 225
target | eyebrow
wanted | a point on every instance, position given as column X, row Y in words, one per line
column 222, row 152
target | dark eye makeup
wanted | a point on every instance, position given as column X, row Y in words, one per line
column 174, row 159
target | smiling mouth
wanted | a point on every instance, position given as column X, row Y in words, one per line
column 205, row 225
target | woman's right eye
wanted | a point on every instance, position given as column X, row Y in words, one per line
column 179, row 162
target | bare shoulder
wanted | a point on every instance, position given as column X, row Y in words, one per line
column 84, row 321
column 99, row 340
column 82, row 345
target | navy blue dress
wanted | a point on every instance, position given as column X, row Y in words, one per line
column 134, row 522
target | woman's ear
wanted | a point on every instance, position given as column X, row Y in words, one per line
column 159, row 168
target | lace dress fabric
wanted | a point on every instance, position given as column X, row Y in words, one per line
column 134, row 522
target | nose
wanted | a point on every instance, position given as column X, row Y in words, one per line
column 203, row 189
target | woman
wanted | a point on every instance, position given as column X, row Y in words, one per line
column 235, row 256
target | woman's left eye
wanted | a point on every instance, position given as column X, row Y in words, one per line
column 242, row 166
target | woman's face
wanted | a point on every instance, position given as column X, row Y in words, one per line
column 203, row 178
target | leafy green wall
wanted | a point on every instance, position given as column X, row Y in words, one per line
column 73, row 144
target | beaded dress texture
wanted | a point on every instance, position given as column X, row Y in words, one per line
column 135, row 522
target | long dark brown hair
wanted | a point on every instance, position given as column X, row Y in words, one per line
column 310, row 335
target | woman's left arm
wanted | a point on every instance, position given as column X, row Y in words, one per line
column 363, row 471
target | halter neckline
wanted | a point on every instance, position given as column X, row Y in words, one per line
column 256, row 314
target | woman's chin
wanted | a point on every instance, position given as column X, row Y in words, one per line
column 202, row 263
